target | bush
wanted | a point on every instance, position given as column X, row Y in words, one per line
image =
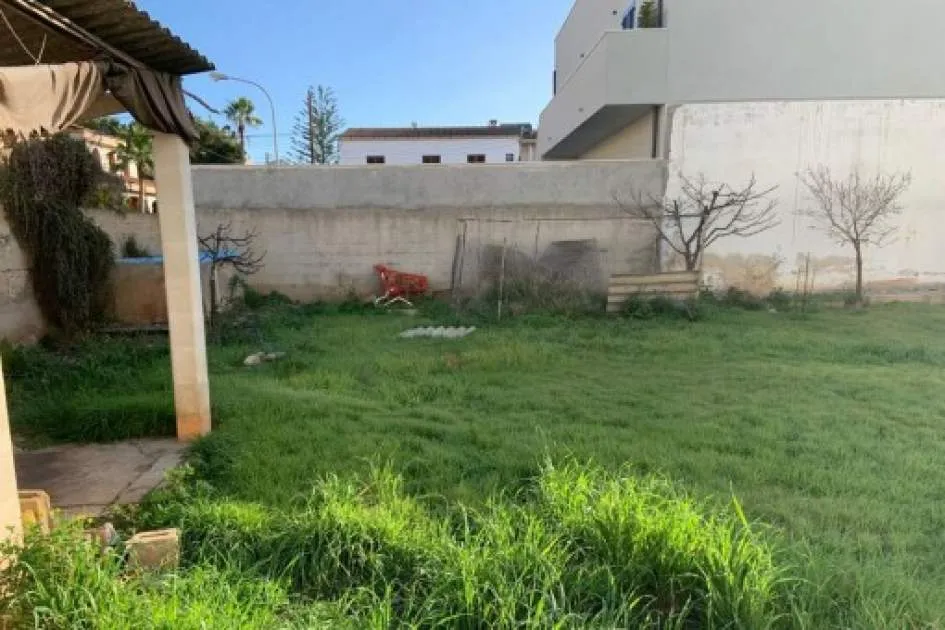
column 739, row 298
column 43, row 185
column 131, row 249
column 255, row 300
column 644, row 308
column 780, row 300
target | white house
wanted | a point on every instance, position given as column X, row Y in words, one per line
column 731, row 88
column 487, row 144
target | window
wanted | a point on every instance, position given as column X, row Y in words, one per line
column 509, row 157
column 376, row 159
column 476, row 158
column 432, row 159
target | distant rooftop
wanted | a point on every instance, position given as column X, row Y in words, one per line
column 523, row 130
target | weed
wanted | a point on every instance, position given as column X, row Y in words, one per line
column 580, row 548
column 644, row 307
column 62, row 581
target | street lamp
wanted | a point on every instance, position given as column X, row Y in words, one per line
column 219, row 76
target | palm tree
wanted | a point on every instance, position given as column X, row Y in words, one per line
column 136, row 148
column 242, row 113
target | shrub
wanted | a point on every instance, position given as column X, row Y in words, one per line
column 643, row 307
column 43, row 185
column 131, row 249
column 745, row 300
column 649, row 14
column 780, row 300
column 254, row 299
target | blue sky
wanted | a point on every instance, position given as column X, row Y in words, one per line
column 390, row 62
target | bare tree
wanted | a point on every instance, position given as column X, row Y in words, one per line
column 227, row 249
column 856, row 210
column 704, row 213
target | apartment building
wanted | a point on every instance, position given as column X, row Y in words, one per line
column 614, row 78
column 731, row 88
column 487, row 144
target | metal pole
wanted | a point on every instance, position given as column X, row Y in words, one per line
column 272, row 109
column 505, row 243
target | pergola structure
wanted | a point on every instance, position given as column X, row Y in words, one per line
column 64, row 61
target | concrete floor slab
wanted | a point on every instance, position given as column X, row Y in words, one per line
column 87, row 478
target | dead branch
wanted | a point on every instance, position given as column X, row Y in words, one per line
column 237, row 251
column 227, row 249
column 855, row 210
column 704, row 213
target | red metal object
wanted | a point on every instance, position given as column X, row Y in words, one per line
column 399, row 286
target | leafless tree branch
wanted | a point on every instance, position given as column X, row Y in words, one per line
column 703, row 213
column 226, row 248
column 855, row 210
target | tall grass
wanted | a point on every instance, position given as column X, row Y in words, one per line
column 580, row 548
column 64, row 582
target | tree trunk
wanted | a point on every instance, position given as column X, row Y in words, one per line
column 213, row 292
column 858, row 248
column 241, row 130
column 311, row 129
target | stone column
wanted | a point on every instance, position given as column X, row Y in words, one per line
column 182, row 282
column 10, row 525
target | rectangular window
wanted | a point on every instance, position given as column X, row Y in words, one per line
column 376, row 159
column 509, row 157
column 431, row 159
column 476, row 158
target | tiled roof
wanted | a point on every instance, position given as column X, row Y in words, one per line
column 483, row 131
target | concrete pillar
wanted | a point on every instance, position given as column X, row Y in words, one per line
column 182, row 281
column 664, row 131
column 10, row 524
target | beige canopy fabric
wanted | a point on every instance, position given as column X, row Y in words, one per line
column 155, row 99
column 50, row 98
column 47, row 97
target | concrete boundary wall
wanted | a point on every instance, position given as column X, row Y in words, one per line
column 324, row 228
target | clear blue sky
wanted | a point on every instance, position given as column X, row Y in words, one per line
column 390, row 62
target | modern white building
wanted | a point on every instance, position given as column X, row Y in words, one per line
column 610, row 81
column 731, row 88
column 487, row 144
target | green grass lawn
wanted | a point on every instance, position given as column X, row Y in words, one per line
column 827, row 426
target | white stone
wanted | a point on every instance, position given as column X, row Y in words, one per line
column 253, row 359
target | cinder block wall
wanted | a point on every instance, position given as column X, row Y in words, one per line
column 323, row 228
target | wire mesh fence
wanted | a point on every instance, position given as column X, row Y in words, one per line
column 510, row 267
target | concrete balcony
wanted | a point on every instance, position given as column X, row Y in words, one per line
column 619, row 81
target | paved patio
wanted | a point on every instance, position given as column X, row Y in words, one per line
column 83, row 480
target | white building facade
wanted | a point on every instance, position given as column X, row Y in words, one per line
column 487, row 144
column 732, row 88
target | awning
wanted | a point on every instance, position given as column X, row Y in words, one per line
column 49, row 98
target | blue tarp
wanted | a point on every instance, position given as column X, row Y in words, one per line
column 159, row 260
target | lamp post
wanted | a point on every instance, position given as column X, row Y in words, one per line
column 219, row 76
